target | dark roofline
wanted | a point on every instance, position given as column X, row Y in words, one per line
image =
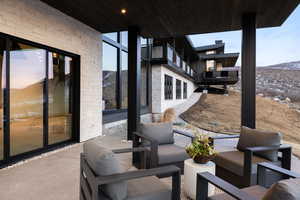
column 209, row 47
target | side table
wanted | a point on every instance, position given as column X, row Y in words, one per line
column 190, row 176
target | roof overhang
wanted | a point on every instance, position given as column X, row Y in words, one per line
column 227, row 59
column 210, row 47
column 171, row 18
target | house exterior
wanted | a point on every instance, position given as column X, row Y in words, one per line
column 56, row 68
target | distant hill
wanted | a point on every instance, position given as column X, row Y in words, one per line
column 285, row 66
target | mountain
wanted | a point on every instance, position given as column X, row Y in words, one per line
column 284, row 66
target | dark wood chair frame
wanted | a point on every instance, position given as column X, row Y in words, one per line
column 203, row 179
column 90, row 183
column 285, row 158
column 153, row 153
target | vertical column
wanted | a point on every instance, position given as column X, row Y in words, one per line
column 134, row 81
column 248, row 103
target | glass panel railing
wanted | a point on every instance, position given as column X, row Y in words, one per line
column 157, row 52
column 169, row 53
column 178, row 60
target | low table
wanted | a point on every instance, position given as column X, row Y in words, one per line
column 190, row 176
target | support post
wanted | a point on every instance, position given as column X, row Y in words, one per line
column 134, row 81
column 248, row 102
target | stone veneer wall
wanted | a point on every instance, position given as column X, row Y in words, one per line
column 159, row 104
column 38, row 22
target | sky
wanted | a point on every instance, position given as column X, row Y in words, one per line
column 273, row 45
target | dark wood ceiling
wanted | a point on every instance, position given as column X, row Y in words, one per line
column 170, row 18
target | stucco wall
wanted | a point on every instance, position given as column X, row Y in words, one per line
column 36, row 21
column 159, row 104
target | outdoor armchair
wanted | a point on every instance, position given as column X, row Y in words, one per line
column 281, row 190
column 239, row 166
column 123, row 185
column 162, row 151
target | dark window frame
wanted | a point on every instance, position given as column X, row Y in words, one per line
column 184, row 90
column 118, row 44
column 9, row 159
column 168, row 87
column 178, row 89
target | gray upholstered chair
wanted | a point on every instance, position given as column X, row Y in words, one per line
column 239, row 167
column 159, row 139
column 287, row 189
column 102, row 177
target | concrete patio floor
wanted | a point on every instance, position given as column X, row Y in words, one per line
column 55, row 176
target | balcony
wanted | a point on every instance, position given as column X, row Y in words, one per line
column 218, row 78
column 165, row 54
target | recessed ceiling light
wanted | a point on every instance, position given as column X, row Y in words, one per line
column 123, row 11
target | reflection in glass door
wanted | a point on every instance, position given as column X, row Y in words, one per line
column 2, row 82
column 27, row 78
column 60, row 87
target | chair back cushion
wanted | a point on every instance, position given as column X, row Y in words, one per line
column 254, row 137
column 161, row 132
column 288, row 189
column 103, row 162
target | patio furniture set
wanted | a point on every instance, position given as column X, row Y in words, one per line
column 245, row 173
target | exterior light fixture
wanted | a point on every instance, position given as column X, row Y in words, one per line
column 123, row 11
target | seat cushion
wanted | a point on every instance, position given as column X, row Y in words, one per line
column 148, row 188
column 286, row 189
column 256, row 191
column 161, row 132
column 234, row 161
column 254, row 137
column 103, row 162
column 171, row 153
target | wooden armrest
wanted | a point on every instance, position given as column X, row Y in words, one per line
column 202, row 187
column 270, row 166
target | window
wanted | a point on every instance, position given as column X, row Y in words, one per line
column 184, row 90
column 168, row 87
column 115, row 72
column 37, row 97
column 124, row 78
column 109, row 76
column 178, row 89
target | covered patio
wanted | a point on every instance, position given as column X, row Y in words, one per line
column 56, row 175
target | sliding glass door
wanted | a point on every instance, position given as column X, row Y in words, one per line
column 27, row 78
column 37, row 98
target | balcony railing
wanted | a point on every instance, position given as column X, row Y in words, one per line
column 166, row 54
column 218, row 77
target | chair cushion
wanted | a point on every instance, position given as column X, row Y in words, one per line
column 148, row 188
column 254, row 137
column 234, row 161
column 286, row 189
column 103, row 162
column 161, row 132
column 255, row 191
column 171, row 153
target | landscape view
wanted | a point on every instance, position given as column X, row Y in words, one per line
column 277, row 105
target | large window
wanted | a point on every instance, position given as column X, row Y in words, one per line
column 178, row 89
column 184, row 90
column 37, row 97
column 115, row 72
column 168, row 87
column 109, row 76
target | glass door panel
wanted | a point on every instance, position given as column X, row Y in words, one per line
column 60, row 96
column 27, row 79
column 2, row 82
